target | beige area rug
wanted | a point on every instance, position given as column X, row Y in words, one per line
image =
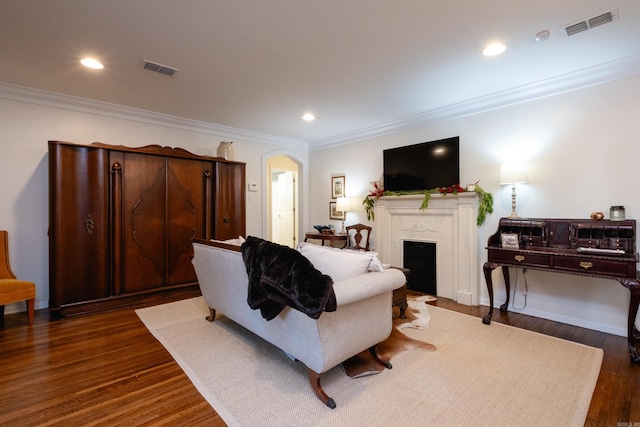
column 479, row 375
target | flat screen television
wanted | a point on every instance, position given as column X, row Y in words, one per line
column 422, row 166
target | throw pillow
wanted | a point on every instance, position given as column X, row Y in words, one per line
column 338, row 263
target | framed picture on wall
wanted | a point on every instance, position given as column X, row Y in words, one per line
column 334, row 214
column 337, row 186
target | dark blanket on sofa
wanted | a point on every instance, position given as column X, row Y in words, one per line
column 280, row 276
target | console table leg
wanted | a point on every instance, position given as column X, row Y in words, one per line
column 507, row 284
column 488, row 268
column 632, row 332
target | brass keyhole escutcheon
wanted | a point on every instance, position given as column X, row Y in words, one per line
column 586, row 265
column 519, row 258
column 89, row 224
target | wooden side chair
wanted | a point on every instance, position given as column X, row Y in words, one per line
column 11, row 289
column 358, row 237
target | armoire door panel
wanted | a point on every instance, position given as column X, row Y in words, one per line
column 78, row 224
column 185, row 216
column 229, row 207
column 144, row 222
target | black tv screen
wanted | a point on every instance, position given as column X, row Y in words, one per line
column 422, row 166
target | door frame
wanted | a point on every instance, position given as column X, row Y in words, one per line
column 302, row 188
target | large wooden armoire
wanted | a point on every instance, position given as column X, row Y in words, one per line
column 121, row 220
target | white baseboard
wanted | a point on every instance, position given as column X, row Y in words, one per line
column 569, row 320
column 464, row 297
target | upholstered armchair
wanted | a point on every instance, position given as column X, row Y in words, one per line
column 11, row 289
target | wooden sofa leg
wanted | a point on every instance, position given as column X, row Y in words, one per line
column 30, row 310
column 212, row 315
column 378, row 359
column 314, row 379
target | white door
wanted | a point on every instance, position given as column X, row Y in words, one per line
column 283, row 207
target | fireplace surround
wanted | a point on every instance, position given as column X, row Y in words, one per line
column 450, row 223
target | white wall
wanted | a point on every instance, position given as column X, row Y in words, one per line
column 26, row 128
column 582, row 154
column 580, row 148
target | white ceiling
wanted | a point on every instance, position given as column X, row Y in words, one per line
column 260, row 65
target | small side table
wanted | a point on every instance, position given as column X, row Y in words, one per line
column 326, row 236
column 400, row 294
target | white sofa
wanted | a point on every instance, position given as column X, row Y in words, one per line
column 362, row 319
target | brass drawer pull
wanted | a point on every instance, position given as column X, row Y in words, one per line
column 519, row 258
column 586, row 265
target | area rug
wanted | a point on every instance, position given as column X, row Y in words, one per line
column 479, row 375
column 417, row 316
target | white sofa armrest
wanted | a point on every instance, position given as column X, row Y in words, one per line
column 366, row 285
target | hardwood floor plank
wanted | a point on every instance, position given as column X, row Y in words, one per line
column 99, row 369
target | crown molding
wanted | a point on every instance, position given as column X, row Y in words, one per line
column 84, row 105
column 613, row 70
column 599, row 74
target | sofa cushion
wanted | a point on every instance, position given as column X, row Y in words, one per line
column 339, row 263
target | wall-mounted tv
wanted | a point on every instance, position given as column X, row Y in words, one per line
column 422, row 166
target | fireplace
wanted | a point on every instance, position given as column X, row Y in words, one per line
column 420, row 259
column 449, row 224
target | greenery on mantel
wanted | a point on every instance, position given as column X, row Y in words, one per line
column 485, row 199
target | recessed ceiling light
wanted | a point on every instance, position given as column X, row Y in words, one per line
column 308, row 117
column 543, row 35
column 91, row 63
column 494, row 49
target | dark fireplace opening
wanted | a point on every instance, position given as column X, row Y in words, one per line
column 420, row 259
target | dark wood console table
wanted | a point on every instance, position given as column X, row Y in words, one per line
column 582, row 247
column 326, row 236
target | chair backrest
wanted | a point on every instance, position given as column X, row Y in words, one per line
column 5, row 269
column 358, row 236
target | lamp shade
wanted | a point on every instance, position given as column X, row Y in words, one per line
column 513, row 173
column 343, row 204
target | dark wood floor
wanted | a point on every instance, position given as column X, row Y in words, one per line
column 98, row 369
column 107, row 369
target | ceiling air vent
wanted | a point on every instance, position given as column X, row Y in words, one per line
column 159, row 68
column 592, row 22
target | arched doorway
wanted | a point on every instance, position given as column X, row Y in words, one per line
column 282, row 200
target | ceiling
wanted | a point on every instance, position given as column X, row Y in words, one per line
column 259, row 66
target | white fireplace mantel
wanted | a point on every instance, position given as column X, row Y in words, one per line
column 450, row 223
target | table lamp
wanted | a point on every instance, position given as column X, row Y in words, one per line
column 513, row 173
column 343, row 205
